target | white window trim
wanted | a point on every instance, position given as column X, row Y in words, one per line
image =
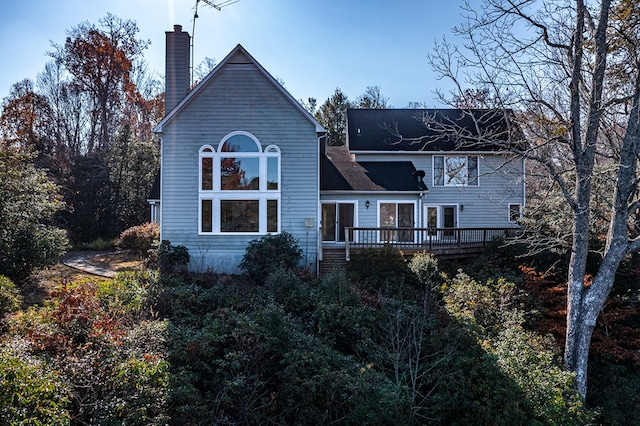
column 203, row 154
column 445, row 184
column 262, row 195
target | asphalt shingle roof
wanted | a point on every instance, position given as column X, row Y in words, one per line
column 339, row 172
column 429, row 129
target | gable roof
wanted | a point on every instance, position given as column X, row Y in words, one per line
column 238, row 55
column 431, row 130
column 339, row 172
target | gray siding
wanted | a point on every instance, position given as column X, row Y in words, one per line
column 501, row 182
column 239, row 98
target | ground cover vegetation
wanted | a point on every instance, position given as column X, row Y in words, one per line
column 429, row 343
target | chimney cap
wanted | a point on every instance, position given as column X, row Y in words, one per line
column 177, row 28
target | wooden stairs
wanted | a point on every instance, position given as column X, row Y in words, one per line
column 332, row 259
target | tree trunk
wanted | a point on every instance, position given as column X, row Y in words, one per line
column 575, row 335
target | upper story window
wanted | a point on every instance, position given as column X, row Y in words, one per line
column 239, row 186
column 449, row 170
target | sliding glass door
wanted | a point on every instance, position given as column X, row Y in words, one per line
column 335, row 218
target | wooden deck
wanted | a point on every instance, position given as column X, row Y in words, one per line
column 449, row 242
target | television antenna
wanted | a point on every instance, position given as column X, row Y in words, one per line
column 216, row 6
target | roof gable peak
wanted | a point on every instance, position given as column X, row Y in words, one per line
column 238, row 56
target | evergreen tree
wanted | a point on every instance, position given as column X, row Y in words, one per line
column 28, row 203
column 333, row 116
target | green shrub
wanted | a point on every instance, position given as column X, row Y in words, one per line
column 337, row 288
column 147, row 336
column 128, row 293
column 32, row 248
column 532, row 363
column 135, row 393
column 319, row 385
column 470, row 388
column 286, row 288
column 613, row 389
column 31, row 393
column 139, row 238
column 425, row 267
column 172, row 259
column 10, row 298
column 98, row 244
column 187, row 302
column 29, row 201
column 382, row 270
column 271, row 252
column 483, row 308
column 521, row 363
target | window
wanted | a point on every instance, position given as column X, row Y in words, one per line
column 396, row 215
column 206, row 168
column 239, row 186
column 515, row 212
column 335, row 218
column 455, row 171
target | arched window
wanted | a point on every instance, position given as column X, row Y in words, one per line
column 239, row 186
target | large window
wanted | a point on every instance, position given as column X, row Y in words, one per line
column 239, row 186
column 455, row 170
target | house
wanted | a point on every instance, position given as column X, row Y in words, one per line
column 416, row 168
column 241, row 158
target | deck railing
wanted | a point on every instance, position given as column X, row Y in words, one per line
column 430, row 239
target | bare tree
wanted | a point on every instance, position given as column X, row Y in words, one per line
column 203, row 69
column 67, row 114
column 570, row 71
column 100, row 61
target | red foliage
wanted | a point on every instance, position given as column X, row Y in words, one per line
column 80, row 320
column 616, row 336
column 552, row 297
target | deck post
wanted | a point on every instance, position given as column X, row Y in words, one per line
column 347, row 240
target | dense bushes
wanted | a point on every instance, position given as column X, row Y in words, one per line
column 491, row 313
column 172, row 259
column 31, row 392
column 269, row 253
column 382, row 270
column 10, row 298
column 140, row 238
column 205, row 349
column 90, row 355
column 28, row 202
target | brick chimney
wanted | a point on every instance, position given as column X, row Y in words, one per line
column 177, row 79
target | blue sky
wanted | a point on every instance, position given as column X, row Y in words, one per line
column 313, row 46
